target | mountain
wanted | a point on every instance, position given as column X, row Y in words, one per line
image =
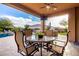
column 36, row 25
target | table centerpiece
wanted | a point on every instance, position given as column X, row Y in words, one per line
column 40, row 35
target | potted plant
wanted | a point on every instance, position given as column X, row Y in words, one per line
column 40, row 35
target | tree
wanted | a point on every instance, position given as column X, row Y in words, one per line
column 17, row 29
column 64, row 23
column 26, row 26
column 1, row 29
column 6, row 24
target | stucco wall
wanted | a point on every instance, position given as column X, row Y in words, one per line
column 71, row 25
column 77, row 24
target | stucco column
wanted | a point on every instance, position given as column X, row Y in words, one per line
column 43, row 18
column 71, row 25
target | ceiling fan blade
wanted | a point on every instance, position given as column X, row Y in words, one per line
column 49, row 6
column 54, row 7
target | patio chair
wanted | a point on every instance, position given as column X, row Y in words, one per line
column 27, row 33
column 55, row 34
column 51, row 33
column 24, row 50
column 58, row 47
column 48, row 33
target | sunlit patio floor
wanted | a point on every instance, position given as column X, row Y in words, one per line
column 8, row 48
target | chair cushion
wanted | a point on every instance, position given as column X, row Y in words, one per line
column 30, row 49
column 57, row 48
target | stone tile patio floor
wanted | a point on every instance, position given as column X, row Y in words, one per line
column 8, row 48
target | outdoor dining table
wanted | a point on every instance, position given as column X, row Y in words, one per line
column 45, row 39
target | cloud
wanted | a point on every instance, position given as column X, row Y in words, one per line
column 20, row 21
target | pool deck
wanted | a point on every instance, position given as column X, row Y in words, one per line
column 8, row 48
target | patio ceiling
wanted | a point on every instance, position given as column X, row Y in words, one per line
column 38, row 10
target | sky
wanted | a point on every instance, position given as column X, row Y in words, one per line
column 19, row 18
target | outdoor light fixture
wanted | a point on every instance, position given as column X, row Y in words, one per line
column 48, row 7
column 54, row 8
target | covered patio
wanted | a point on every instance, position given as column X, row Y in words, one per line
column 45, row 11
column 40, row 10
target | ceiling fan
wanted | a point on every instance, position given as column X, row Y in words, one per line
column 49, row 6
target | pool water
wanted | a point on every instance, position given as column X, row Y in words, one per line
column 5, row 35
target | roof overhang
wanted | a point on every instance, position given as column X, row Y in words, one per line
column 34, row 8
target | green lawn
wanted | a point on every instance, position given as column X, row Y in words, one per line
column 62, row 33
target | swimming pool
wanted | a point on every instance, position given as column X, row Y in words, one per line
column 5, row 35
